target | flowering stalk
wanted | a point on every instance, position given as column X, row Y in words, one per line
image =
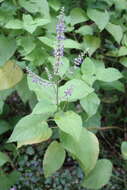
column 38, row 80
column 59, row 50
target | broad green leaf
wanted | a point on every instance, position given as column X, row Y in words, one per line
column 27, row 43
column 36, row 6
column 44, row 107
column 120, row 5
column 4, row 127
column 99, row 176
column 92, row 123
column 71, row 44
column 30, row 25
column 8, row 180
column 91, row 43
column 123, row 61
column 108, row 74
column 7, row 48
column 89, row 79
column 116, row 31
column 3, row 158
column 100, row 18
column 31, row 129
column 122, row 51
column 85, row 150
column 88, row 67
column 47, row 41
column 10, row 75
column 14, row 24
column 90, row 104
column 70, row 123
column 124, row 150
column 55, row 4
column 74, row 73
column 37, row 57
column 23, row 90
column 79, row 90
column 112, row 85
column 1, row 105
column 42, row 91
column 77, row 15
column 85, row 30
column 53, row 158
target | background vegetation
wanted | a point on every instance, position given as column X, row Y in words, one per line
column 27, row 32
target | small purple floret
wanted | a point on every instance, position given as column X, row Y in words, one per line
column 13, row 188
column 59, row 50
column 68, row 91
column 79, row 60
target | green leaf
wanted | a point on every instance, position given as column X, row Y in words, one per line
column 37, row 57
column 70, row 123
column 43, row 92
column 88, row 79
column 53, row 158
column 122, row 51
column 30, row 25
column 54, row 4
column 10, row 75
column 88, row 67
column 7, row 48
column 116, row 31
column 99, row 176
column 8, row 180
column 1, row 105
column 44, row 107
column 79, row 90
column 100, row 18
column 47, row 41
column 113, row 85
column 90, row 104
column 14, row 24
column 85, row 30
column 91, row 44
column 23, row 90
column 4, row 127
column 124, row 150
column 31, row 129
column 108, row 74
column 92, row 123
column 77, row 15
column 123, row 61
column 85, row 150
column 3, row 158
column 71, row 44
column 27, row 43
column 36, row 6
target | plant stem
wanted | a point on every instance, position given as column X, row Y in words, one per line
column 57, row 94
column 105, row 128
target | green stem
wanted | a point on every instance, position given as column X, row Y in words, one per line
column 57, row 94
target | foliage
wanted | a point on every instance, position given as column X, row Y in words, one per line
column 63, row 104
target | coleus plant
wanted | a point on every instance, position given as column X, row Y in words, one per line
column 54, row 112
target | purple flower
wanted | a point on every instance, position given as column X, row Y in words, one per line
column 13, row 188
column 59, row 50
column 79, row 60
column 68, row 91
column 38, row 80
